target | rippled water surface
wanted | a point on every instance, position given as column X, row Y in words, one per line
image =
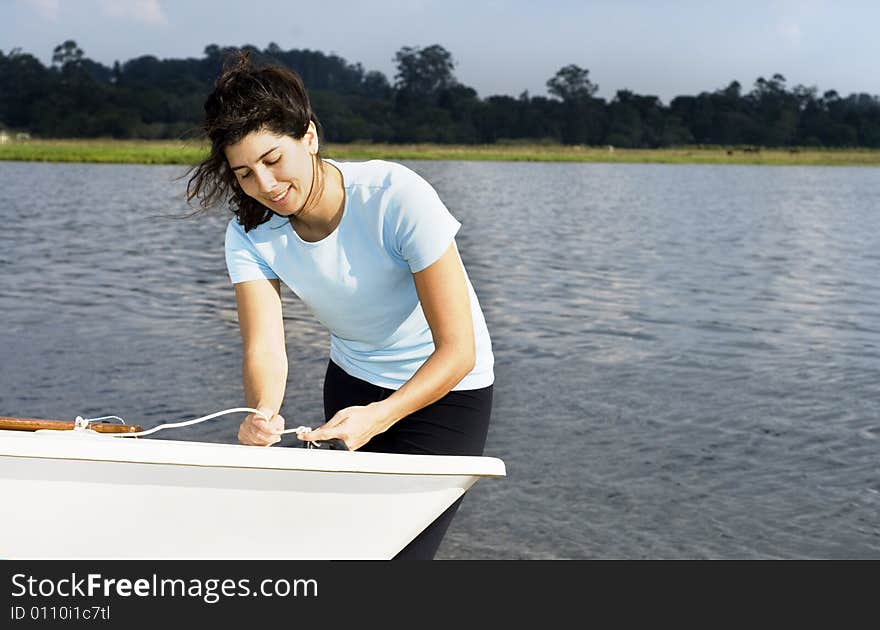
column 687, row 357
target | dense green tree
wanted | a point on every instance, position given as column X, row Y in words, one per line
column 423, row 72
column 500, row 117
column 776, row 110
column 23, row 79
column 583, row 119
column 463, row 106
column 67, row 53
column 572, row 83
column 148, row 97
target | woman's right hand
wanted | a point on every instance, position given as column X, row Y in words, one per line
column 255, row 430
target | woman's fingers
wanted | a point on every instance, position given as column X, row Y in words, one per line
column 325, row 431
column 276, row 425
column 322, row 433
column 255, row 430
column 348, row 425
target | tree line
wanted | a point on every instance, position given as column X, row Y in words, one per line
column 147, row 97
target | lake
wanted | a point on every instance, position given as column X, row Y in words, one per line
column 687, row 357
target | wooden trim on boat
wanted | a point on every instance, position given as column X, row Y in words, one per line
column 35, row 424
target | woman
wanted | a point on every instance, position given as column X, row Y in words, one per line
column 369, row 247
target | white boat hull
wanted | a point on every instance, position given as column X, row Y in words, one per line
column 103, row 497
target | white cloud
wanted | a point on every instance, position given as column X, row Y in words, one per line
column 47, row 8
column 790, row 32
column 144, row 11
column 798, row 19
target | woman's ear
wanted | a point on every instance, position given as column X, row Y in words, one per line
column 312, row 135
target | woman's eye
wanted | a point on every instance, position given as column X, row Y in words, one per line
column 245, row 176
column 275, row 161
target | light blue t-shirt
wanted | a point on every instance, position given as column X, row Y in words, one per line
column 357, row 281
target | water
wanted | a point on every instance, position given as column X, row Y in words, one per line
column 687, row 357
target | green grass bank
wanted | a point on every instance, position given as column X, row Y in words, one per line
column 177, row 152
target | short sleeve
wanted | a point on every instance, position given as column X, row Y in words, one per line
column 243, row 261
column 423, row 228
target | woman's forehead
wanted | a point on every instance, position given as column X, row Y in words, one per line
column 255, row 144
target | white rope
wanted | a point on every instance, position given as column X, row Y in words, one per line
column 83, row 423
column 174, row 425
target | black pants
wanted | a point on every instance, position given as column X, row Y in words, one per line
column 454, row 425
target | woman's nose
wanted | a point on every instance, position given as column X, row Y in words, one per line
column 265, row 180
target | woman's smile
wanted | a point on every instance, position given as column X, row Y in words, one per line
column 281, row 197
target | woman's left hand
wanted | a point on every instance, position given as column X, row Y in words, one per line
column 353, row 425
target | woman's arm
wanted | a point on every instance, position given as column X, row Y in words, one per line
column 443, row 293
column 264, row 359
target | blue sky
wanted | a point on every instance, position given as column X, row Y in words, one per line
column 657, row 47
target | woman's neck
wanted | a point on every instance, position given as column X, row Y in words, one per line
column 322, row 219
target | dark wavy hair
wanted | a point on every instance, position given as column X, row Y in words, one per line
column 248, row 98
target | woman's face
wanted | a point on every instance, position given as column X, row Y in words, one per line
column 275, row 170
